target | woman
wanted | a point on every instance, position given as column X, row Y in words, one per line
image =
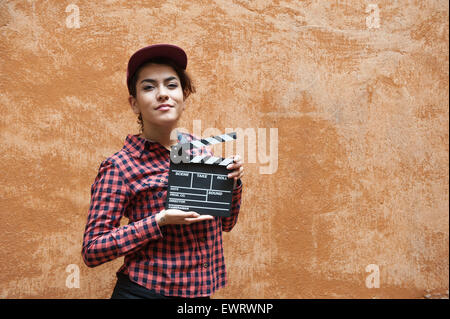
column 168, row 253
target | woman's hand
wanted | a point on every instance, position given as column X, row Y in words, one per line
column 238, row 169
column 179, row 217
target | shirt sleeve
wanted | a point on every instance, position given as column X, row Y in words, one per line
column 104, row 239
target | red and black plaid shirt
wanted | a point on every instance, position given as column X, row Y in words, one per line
column 172, row 260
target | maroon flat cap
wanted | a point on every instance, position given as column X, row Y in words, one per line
column 170, row 51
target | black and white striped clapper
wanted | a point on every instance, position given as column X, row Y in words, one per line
column 200, row 183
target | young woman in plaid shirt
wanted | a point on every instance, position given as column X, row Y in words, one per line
column 167, row 253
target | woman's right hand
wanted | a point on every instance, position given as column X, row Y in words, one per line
column 176, row 216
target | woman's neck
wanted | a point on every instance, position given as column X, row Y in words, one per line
column 160, row 135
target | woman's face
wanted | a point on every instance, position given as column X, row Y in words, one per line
column 158, row 85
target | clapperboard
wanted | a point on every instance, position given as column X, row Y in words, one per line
column 200, row 183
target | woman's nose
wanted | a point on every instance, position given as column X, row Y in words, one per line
column 162, row 94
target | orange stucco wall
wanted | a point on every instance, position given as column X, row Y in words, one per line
column 356, row 204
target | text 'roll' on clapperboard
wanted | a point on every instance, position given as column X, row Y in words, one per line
column 200, row 183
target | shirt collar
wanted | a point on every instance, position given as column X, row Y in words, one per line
column 135, row 145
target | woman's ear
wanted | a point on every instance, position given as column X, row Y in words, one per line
column 133, row 103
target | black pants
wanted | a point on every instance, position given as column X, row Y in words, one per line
column 126, row 289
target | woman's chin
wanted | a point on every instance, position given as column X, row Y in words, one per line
column 166, row 120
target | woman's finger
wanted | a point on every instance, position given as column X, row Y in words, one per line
column 234, row 165
column 236, row 173
column 181, row 214
column 198, row 219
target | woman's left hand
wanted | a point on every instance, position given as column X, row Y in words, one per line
column 238, row 169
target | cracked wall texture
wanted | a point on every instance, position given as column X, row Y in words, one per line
column 361, row 107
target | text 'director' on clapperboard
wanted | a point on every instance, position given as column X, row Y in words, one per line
column 200, row 183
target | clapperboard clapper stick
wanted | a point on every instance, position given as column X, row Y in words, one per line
column 200, row 183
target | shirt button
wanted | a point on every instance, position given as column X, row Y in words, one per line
column 205, row 265
column 202, row 240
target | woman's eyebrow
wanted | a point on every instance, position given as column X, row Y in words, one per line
column 154, row 81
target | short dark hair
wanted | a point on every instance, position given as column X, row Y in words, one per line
column 185, row 79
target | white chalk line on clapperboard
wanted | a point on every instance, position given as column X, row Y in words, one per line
column 210, row 185
column 174, row 200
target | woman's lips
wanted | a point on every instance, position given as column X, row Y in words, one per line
column 163, row 107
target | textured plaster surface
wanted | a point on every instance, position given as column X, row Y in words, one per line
column 360, row 107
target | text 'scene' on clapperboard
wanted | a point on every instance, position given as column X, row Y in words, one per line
column 200, row 183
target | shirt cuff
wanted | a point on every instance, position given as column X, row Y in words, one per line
column 148, row 228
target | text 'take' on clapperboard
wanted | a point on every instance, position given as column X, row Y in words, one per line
column 200, row 183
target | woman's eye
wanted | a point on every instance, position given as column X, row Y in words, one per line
column 173, row 85
column 147, row 87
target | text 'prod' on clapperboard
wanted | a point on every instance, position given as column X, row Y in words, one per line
column 200, row 183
